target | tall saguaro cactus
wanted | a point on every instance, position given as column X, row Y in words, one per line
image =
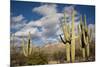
column 66, row 38
column 82, row 37
column 86, row 37
column 27, row 49
column 69, row 39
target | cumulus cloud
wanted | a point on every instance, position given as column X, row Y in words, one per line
column 37, row 23
column 17, row 18
column 46, row 9
column 69, row 9
column 48, row 27
column 17, row 22
column 25, row 31
column 49, row 24
column 16, row 41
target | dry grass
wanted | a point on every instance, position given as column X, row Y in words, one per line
column 48, row 55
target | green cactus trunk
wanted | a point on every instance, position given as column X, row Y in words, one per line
column 68, row 52
column 83, row 53
column 87, row 40
column 87, row 50
column 73, row 40
column 23, row 48
column 81, row 38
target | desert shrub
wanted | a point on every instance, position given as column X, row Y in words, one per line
column 59, row 56
column 92, row 49
column 17, row 59
column 36, row 58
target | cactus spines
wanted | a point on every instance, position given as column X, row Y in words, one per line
column 27, row 49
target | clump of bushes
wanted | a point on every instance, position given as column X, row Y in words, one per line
column 36, row 58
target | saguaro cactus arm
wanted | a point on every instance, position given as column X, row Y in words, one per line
column 81, row 33
column 84, row 38
column 73, row 38
column 27, row 49
column 66, row 30
column 28, row 43
column 62, row 40
column 23, row 47
column 90, row 35
column 86, row 31
column 66, row 41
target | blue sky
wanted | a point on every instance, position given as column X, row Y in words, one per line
column 36, row 17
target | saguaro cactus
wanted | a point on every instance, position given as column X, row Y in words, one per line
column 69, row 39
column 81, row 37
column 27, row 49
column 85, row 37
column 66, row 38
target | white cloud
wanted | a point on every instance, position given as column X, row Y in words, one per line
column 69, row 9
column 37, row 23
column 16, row 41
column 46, row 9
column 17, row 18
column 25, row 31
column 91, row 26
column 17, row 22
column 49, row 23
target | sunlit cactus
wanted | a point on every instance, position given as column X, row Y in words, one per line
column 66, row 38
column 82, row 37
column 85, row 36
column 69, row 39
column 27, row 49
column 73, row 38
